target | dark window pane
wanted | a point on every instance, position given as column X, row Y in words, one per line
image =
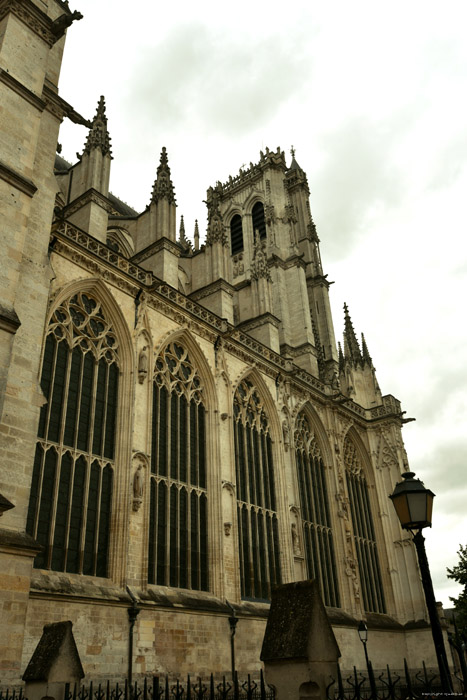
column 85, row 403
column 45, row 508
column 236, row 234
column 76, row 517
column 259, row 223
column 91, row 520
column 61, row 517
column 46, row 379
column 56, row 404
column 104, row 522
column 112, row 398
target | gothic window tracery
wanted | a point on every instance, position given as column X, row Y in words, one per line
column 236, row 234
column 178, row 498
column 364, row 531
column 256, row 499
column 317, row 531
column 72, row 482
column 259, row 222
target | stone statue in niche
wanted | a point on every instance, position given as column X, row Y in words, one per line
column 351, row 571
column 143, row 364
column 296, row 541
column 138, row 487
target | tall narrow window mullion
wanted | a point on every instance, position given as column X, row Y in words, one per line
column 178, row 530
column 57, row 397
column 47, row 378
column 317, row 531
column 80, row 353
column 258, row 544
column 364, row 532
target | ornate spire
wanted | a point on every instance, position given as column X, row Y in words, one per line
column 98, row 136
column 182, row 239
column 293, row 165
column 341, row 359
column 196, row 235
column 216, row 229
column 163, row 187
column 319, row 349
column 259, row 264
column 351, row 346
column 365, row 354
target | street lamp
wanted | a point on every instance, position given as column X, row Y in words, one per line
column 414, row 504
column 363, row 634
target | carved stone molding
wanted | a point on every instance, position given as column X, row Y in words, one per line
column 16, row 180
column 31, row 16
column 87, row 197
column 18, row 87
column 156, row 247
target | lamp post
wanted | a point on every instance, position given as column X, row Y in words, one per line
column 414, row 504
column 363, row 634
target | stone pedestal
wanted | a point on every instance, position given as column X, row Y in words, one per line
column 299, row 651
column 54, row 663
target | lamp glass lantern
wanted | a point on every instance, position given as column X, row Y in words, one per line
column 363, row 632
column 413, row 503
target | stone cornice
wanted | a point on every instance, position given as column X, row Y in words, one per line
column 218, row 285
column 87, row 197
column 9, row 320
column 318, row 280
column 31, row 16
column 293, row 261
column 161, row 244
column 21, row 90
column 13, row 542
column 253, row 323
column 13, row 178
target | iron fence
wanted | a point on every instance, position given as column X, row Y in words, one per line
column 422, row 684
column 387, row 684
column 158, row 688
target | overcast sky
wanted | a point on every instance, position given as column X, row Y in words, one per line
column 373, row 98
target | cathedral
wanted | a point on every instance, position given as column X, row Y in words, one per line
column 179, row 428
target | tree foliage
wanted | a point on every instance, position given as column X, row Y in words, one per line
column 459, row 573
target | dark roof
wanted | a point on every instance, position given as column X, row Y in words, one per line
column 61, row 165
column 122, row 208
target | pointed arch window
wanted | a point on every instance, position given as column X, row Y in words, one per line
column 317, row 530
column 71, row 491
column 256, row 499
column 178, row 553
column 364, row 531
column 236, row 234
column 259, row 222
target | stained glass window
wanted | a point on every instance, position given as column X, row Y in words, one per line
column 317, row 530
column 364, row 531
column 256, row 500
column 71, row 491
column 178, row 502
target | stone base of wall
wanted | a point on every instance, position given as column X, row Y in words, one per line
column 180, row 632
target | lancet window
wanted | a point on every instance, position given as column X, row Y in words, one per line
column 71, row 491
column 364, row 531
column 259, row 222
column 256, row 499
column 317, row 530
column 178, row 500
column 236, row 234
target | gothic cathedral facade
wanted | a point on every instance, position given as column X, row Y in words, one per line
column 178, row 424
